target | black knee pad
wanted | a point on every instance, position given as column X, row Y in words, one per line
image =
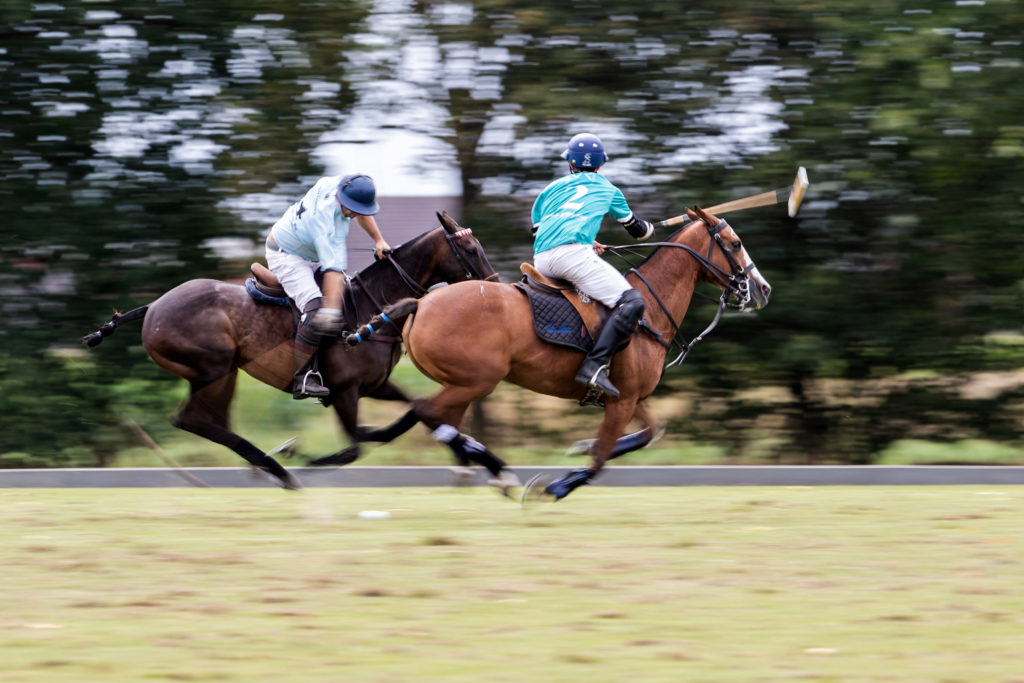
column 629, row 309
column 305, row 332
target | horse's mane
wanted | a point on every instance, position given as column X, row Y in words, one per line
column 670, row 238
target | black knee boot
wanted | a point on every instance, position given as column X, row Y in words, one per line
column 594, row 371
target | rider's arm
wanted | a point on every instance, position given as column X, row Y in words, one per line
column 637, row 227
column 368, row 224
column 333, row 286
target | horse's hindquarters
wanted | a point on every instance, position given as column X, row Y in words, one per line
column 460, row 333
column 204, row 329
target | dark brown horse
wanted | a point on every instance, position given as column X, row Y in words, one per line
column 205, row 330
column 470, row 337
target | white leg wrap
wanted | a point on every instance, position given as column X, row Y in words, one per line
column 445, row 433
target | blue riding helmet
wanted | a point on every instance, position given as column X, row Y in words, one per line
column 585, row 151
column 358, row 194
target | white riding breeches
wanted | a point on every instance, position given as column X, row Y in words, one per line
column 296, row 276
column 580, row 265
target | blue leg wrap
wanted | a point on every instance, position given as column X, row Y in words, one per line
column 569, row 483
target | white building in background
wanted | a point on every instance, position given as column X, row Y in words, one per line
column 416, row 177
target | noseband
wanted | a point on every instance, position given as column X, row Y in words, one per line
column 739, row 284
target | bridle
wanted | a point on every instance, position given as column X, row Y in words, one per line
column 471, row 272
column 735, row 284
column 738, row 285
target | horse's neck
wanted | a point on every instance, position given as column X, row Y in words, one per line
column 671, row 275
column 383, row 279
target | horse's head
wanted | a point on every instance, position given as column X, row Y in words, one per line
column 734, row 269
column 465, row 259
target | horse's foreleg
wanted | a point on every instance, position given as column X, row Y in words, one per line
column 617, row 415
column 346, row 407
column 389, row 391
column 625, row 444
column 205, row 414
column 392, row 431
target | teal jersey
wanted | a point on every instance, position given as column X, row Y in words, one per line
column 315, row 228
column 571, row 208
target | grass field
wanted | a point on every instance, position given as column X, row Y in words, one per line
column 612, row 584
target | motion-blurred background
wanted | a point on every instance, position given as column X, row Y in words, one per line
column 145, row 143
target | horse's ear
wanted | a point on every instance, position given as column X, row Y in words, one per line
column 447, row 222
column 692, row 213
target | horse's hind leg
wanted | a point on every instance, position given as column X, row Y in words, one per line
column 346, row 407
column 205, row 414
column 443, row 413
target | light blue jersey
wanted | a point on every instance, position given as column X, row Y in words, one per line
column 315, row 228
column 571, row 208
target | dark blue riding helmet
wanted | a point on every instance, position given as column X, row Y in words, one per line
column 358, row 194
column 585, row 151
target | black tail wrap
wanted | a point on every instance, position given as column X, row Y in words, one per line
column 94, row 339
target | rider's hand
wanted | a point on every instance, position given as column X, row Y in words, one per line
column 598, row 247
column 381, row 249
column 327, row 321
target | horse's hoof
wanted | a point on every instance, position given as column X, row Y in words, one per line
column 560, row 488
column 290, row 483
column 462, row 476
column 535, row 490
column 505, row 482
column 286, row 448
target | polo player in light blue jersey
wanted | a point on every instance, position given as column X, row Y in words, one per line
column 312, row 234
column 566, row 217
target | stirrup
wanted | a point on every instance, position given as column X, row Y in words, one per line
column 593, row 381
column 599, row 382
column 303, row 392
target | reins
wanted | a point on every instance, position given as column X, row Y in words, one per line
column 408, row 280
column 734, row 282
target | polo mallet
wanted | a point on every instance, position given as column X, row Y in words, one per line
column 793, row 195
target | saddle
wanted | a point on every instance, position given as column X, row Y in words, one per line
column 561, row 315
column 264, row 286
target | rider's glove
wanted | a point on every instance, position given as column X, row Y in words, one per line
column 638, row 227
column 327, row 321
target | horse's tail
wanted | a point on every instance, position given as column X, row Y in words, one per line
column 395, row 314
column 96, row 337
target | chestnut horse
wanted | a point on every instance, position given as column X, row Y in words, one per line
column 205, row 330
column 471, row 336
